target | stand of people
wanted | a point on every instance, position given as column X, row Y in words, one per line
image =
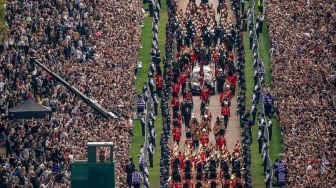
column 303, row 65
column 94, row 46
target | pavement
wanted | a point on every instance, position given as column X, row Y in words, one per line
column 233, row 133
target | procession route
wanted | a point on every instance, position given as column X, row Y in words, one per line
column 233, row 132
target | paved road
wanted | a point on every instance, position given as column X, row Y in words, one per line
column 233, row 132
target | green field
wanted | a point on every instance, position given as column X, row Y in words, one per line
column 3, row 26
column 138, row 140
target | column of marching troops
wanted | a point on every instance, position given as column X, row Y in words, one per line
column 202, row 164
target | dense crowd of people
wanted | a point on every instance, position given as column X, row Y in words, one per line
column 94, row 46
column 303, row 69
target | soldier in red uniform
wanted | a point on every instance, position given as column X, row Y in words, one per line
column 181, row 158
column 175, row 103
column 220, row 142
column 158, row 84
column 187, row 96
column 187, row 183
column 189, row 142
column 183, row 81
column 205, row 139
column 233, row 83
column 215, row 56
column 175, row 89
column 225, row 95
column 205, row 94
column 226, row 113
column 177, row 135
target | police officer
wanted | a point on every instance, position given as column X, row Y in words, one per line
column 143, row 123
column 156, row 103
column 151, row 7
column 152, row 136
column 130, row 168
column 268, row 179
column 260, row 140
column 150, row 154
column 136, row 179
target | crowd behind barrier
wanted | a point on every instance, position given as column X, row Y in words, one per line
column 94, row 46
column 303, row 69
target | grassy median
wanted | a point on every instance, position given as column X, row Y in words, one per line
column 138, row 140
column 275, row 148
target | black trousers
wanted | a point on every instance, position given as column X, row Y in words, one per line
column 226, row 121
column 150, row 157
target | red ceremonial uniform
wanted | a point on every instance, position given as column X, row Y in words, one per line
column 175, row 102
column 225, row 95
column 159, row 81
column 233, row 80
column 193, row 58
column 226, row 182
column 225, row 111
column 176, row 134
column 222, row 174
column 177, row 185
column 176, row 88
column 187, row 96
column 216, row 56
column 233, row 183
column 187, row 184
column 205, row 140
column 205, row 94
column 220, row 141
column 183, row 78
column 231, row 56
column 189, row 142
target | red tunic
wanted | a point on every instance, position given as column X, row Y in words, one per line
column 187, row 96
column 205, row 93
column 205, row 140
column 177, row 134
column 189, row 142
column 159, row 81
column 225, row 111
column 225, row 95
column 233, row 80
column 216, row 56
column 175, row 101
column 220, row 141
column 183, row 78
column 176, row 88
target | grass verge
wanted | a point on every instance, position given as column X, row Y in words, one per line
column 138, row 140
column 275, row 143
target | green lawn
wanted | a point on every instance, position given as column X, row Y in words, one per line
column 3, row 26
column 146, row 41
column 275, row 143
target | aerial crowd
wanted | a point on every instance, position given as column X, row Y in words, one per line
column 94, row 46
column 303, row 70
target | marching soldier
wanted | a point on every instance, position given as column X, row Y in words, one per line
column 226, row 113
